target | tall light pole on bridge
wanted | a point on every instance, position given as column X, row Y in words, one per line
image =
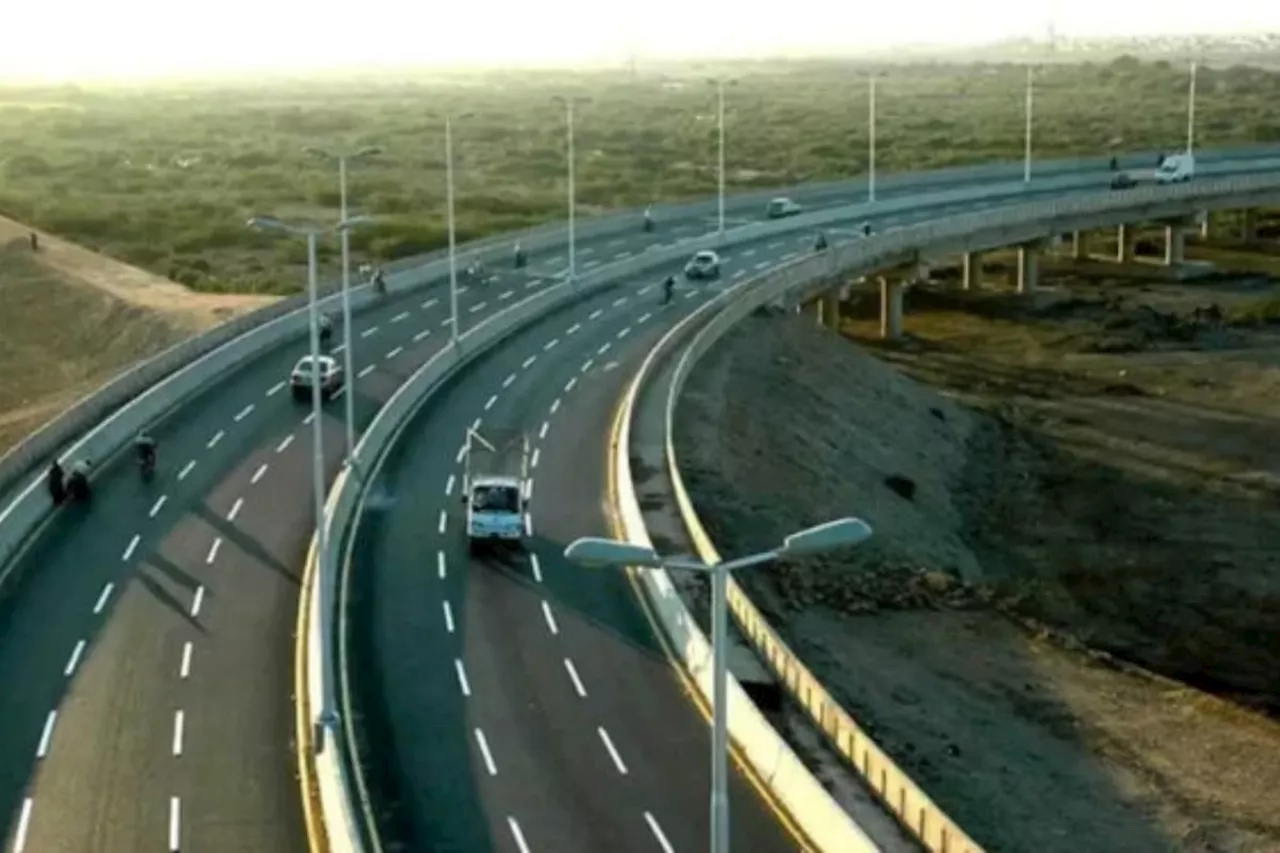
column 1030, row 108
column 311, row 232
column 871, row 137
column 568, row 102
column 343, row 159
column 840, row 533
column 720, row 83
column 452, row 223
column 1191, row 110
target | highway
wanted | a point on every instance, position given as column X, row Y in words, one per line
column 146, row 654
column 151, row 636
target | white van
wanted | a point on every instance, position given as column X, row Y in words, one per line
column 1176, row 168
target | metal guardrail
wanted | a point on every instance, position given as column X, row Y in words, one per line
column 912, row 806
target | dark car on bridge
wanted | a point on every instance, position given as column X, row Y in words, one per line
column 1123, row 181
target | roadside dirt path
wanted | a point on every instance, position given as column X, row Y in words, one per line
column 1077, row 531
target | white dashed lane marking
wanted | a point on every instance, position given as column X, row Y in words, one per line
column 244, row 413
column 284, row 445
column 131, row 547
column 213, row 442
column 573, row 676
column 484, row 752
column 259, row 474
column 155, row 507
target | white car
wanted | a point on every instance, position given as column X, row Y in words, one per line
column 330, row 377
column 702, row 266
column 1176, row 168
column 780, row 207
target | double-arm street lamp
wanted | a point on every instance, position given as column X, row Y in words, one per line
column 452, row 223
column 312, row 232
column 343, row 159
column 841, row 533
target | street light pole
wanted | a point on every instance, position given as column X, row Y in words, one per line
column 1191, row 111
column 871, row 138
column 1026, row 167
column 453, row 261
column 720, row 118
column 825, row 537
column 573, row 241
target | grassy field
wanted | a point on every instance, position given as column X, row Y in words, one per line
column 164, row 178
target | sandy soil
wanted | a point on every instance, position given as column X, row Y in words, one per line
column 1076, row 536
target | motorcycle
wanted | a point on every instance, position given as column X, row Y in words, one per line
column 648, row 226
column 147, row 466
column 78, row 488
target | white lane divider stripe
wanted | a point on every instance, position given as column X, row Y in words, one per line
column 613, row 751
column 462, row 676
column 555, row 406
column 517, row 834
column 573, row 676
column 462, row 451
column 484, row 751
column 533, row 463
column 625, row 331
column 528, row 362
column 403, row 315
column 155, row 507
column 372, row 330
column 43, row 748
column 235, row 509
column 178, row 723
column 74, row 660
column 275, row 389
column 658, row 833
column 479, row 306
column 284, row 445
column 493, row 398
column 595, row 315
column 506, row 294
column 175, row 824
column 213, row 551
column 619, row 302
column 217, row 436
column 537, row 566
column 475, row 425
column 426, row 305
column 24, row 824
column 186, row 469
column 199, row 599
column 395, row 352
column 364, row 371
column 103, row 597
column 448, row 617
column 573, row 329
column 586, row 365
column 440, row 563
column 418, row 338
column 604, row 348
column 506, row 383
column 311, row 416
column 551, row 344
column 542, row 432
column 132, row 546
column 644, row 318
column 184, row 669
column 443, row 518
column 551, row 619
column 259, row 474
column 568, row 386
column 448, row 486
column 244, row 413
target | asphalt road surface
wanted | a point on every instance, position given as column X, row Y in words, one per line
column 146, row 654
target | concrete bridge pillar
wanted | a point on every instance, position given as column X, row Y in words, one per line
column 891, row 307
column 1175, row 244
column 1206, row 226
column 1125, row 236
column 1079, row 244
column 972, row 270
column 828, row 309
column 1249, row 225
column 1028, row 268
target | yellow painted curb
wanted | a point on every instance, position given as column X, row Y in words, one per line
column 317, row 840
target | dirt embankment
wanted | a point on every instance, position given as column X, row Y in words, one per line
column 1055, row 517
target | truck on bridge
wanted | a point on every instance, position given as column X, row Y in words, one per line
column 495, row 487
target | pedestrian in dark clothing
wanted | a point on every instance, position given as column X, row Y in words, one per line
column 57, row 486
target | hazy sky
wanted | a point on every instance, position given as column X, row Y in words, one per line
column 84, row 38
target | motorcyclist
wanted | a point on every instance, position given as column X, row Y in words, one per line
column 57, row 484
column 866, row 229
column 78, row 480
column 820, row 244
column 1115, row 164
column 326, row 328
column 379, row 282
column 145, row 446
column 648, row 220
column 520, row 258
column 668, row 287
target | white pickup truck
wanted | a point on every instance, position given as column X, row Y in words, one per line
column 495, row 488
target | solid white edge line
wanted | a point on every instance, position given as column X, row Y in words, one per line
column 613, row 750
column 578, row 686
column 448, row 616
column 484, row 751
column 74, row 660
column 462, row 676
column 551, row 620
column 178, row 728
column 537, row 567
column 47, row 735
column 658, row 833
column 517, row 834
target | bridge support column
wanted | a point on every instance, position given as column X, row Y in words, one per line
column 828, row 309
column 1079, row 244
column 972, row 270
column 1248, row 225
column 1206, row 224
column 1175, row 244
column 891, row 308
column 1125, row 236
column 1028, row 267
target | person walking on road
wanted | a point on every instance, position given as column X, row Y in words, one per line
column 57, row 483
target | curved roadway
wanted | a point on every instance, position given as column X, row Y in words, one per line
column 146, row 653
